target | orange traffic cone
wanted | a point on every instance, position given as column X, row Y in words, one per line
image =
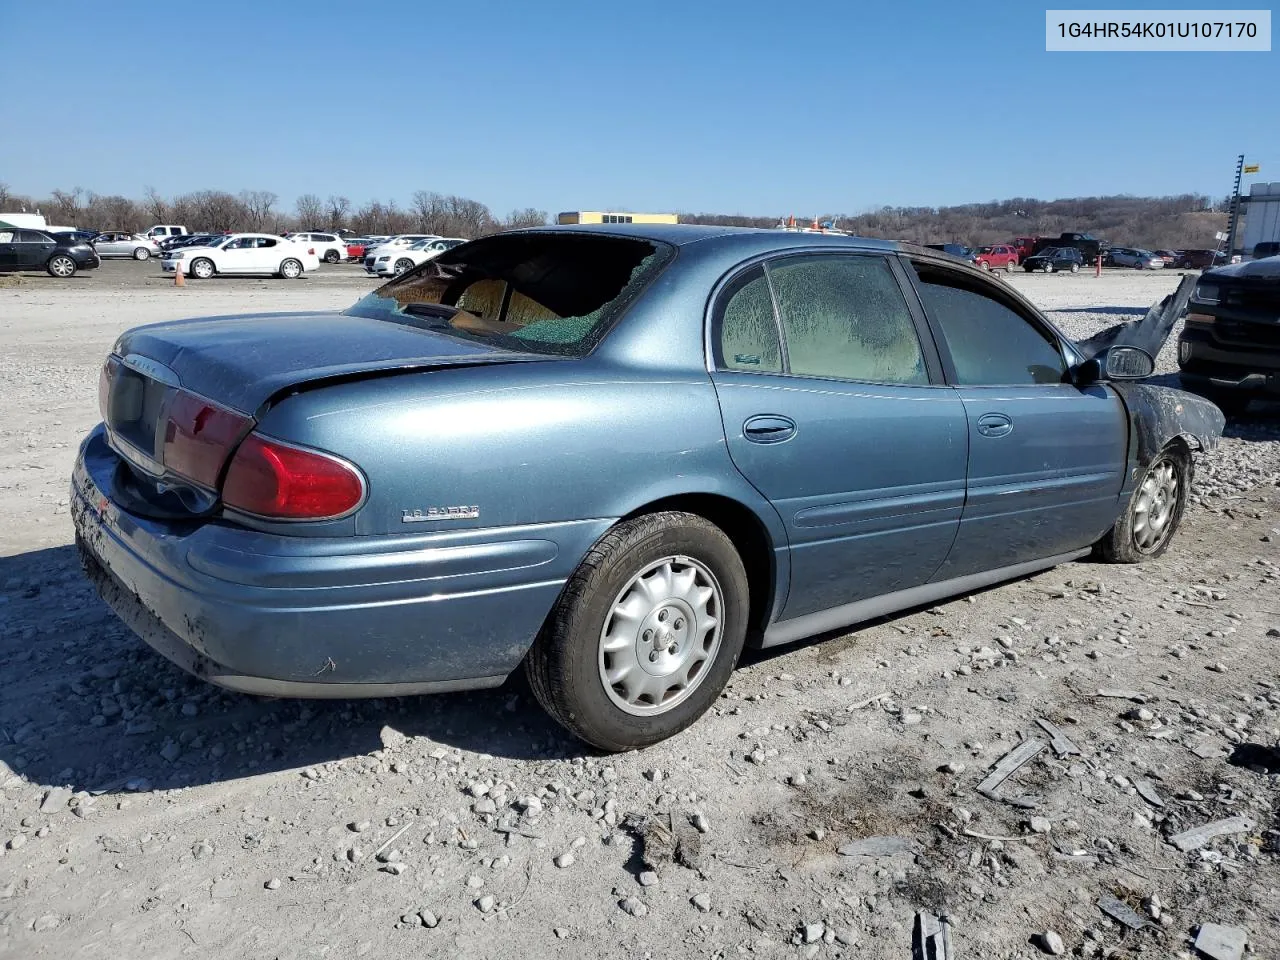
column 178, row 280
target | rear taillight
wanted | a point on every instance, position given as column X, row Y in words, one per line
column 278, row 481
column 198, row 437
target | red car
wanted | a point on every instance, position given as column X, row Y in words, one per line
column 356, row 247
column 997, row 256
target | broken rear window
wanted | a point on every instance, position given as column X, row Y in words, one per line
column 554, row 293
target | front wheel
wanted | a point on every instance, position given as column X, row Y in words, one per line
column 141, row 253
column 202, row 268
column 291, row 269
column 403, row 264
column 984, row 264
column 1154, row 512
column 645, row 634
column 1008, row 267
column 61, row 267
column 1048, row 268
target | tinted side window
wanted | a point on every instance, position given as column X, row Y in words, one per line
column 747, row 336
column 31, row 236
column 845, row 318
column 266, row 242
column 990, row 344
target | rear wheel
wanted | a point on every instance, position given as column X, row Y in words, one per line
column 1154, row 511
column 202, row 268
column 645, row 634
column 61, row 266
column 291, row 269
column 331, row 256
column 1075, row 268
column 403, row 264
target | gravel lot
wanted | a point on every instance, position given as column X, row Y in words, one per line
column 143, row 813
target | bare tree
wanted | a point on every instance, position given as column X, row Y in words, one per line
column 257, row 205
column 65, row 207
column 337, row 210
column 155, row 205
column 528, row 217
column 310, row 211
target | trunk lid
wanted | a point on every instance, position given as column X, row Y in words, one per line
column 177, row 398
column 242, row 361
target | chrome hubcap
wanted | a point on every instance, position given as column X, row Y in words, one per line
column 661, row 636
column 203, row 270
column 1154, row 508
column 62, row 267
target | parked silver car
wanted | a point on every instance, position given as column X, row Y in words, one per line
column 117, row 244
column 1133, row 257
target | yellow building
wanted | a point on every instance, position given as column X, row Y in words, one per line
column 597, row 216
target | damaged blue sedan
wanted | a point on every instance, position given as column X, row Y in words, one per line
column 616, row 456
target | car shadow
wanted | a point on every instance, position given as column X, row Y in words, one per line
column 89, row 706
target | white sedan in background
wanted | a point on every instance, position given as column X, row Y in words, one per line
column 394, row 245
column 245, row 253
column 394, row 263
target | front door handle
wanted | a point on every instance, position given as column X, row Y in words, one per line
column 995, row 425
column 769, row 429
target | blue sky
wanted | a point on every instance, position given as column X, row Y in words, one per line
column 746, row 107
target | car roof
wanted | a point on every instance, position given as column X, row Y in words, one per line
column 686, row 234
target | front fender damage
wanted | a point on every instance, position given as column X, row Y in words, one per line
column 1159, row 415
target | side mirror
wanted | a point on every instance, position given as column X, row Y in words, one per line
column 1117, row 363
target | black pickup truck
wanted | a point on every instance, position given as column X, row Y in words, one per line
column 1229, row 349
column 1088, row 245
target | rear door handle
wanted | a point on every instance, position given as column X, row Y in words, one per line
column 995, row 425
column 769, row 429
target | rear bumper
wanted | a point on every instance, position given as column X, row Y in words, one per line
column 322, row 617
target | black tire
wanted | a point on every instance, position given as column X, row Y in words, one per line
column 984, row 264
column 331, row 256
column 402, row 265
column 1048, row 268
column 1008, row 267
column 1121, row 544
column 141, row 254
column 61, row 266
column 1075, row 268
column 564, row 664
column 290, row 269
column 202, row 268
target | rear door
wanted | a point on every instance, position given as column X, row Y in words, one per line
column 834, row 409
column 267, row 255
column 33, row 249
column 1046, row 458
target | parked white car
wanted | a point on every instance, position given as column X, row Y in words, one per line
column 113, row 243
column 162, row 231
column 394, row 245
column 241, row 253
column 329, row 247
column 394, row 264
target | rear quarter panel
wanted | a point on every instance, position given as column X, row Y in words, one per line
column 525, row 443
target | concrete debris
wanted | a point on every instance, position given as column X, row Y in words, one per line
column 702, row 901
column 1137, row 696
column 931, row 938
column 1221, row 942
column 1119, row 911
column 634, row 906
column 55, row 801
column 1199, row 836
column 1051, row 943
column 878, row 847
column 664, row 840
column 1058, row 741
column 1008, row 765
column 1147, row 792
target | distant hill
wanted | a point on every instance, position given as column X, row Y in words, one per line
column 1187, row 221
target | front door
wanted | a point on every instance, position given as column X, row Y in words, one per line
column 33, row 249
column 239, row 256
column 1046, row 458
column 834, row 411
column 8, row 253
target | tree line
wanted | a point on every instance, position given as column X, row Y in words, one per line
column 1187, row 221
column 260, row 210
column 1183, row 221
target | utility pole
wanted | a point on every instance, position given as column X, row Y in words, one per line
column 1234, row 219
